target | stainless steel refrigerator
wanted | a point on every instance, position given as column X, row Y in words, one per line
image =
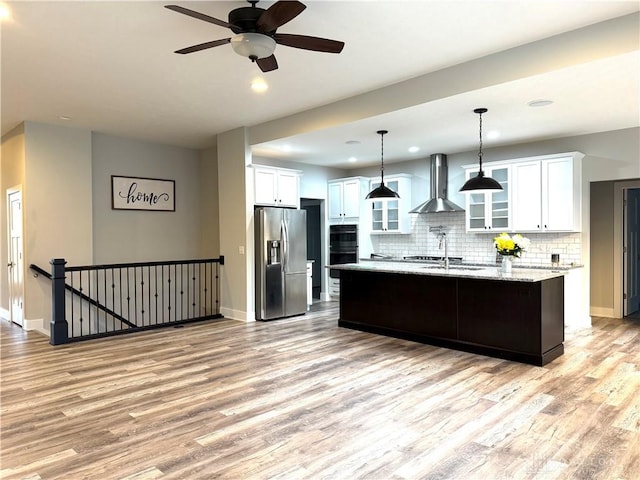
column 281, row 262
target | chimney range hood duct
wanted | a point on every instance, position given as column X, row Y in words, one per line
column 439, row 177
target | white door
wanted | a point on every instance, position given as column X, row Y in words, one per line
column 16, row 265
column 631, row 251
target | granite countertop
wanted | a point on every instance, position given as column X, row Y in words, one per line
column 517, row 264
column 487, row 272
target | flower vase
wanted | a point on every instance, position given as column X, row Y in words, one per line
column 507, row 264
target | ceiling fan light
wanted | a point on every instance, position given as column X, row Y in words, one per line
column 253, row 45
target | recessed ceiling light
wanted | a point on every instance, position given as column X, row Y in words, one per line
column 352, row 160
column 414, row 149
column 286, row 147
column 64, row 117
column 259, row 85
column 540, row 103
column 493, row 134
column 352, row 142
column 5, row 12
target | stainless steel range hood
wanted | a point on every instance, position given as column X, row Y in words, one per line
column 438, row 202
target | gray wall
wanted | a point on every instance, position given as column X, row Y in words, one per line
column 209, row 212
column 11, row 175
column 602, row 261
column 56, row 206
column 66, row 178
column 130, row 235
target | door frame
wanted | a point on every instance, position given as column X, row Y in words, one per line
column 618, row 242
column 9, row 192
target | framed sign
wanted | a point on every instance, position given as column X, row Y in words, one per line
column 132, row 193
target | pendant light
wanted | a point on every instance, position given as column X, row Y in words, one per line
column 480, row 183
column 382, row 192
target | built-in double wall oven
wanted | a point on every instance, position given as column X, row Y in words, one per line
column 343, row 246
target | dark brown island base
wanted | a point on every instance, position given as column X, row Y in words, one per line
column 517, row 316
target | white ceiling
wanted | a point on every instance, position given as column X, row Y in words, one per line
column 110, row 67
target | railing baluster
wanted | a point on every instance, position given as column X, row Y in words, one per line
column 189, row 288
column 155, row 267
column 163, row 295
column 96, row 312
column 113, row 299
column 120, row 286
column 72, row 305
column 104, row 286
column 169, row 295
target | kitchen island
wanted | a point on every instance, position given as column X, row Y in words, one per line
column 517, row 316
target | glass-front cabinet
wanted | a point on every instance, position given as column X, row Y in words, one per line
column 539, row 194
column 490, row 211
column 392, row 216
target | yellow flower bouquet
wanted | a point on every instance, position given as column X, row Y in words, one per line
column 513, row 246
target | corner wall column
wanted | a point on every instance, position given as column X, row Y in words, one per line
column 236, row 225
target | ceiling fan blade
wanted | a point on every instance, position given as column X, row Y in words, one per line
column 198, row 15
column 309, row 43
column 278, row 14
column 203, row 46
column 267, row 64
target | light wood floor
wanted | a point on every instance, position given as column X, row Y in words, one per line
column 303, row 399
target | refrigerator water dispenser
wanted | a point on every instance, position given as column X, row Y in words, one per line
column 273, row 252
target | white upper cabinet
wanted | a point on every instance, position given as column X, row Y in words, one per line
column 276, row 186
column 489, row 211
column 547, row 194
column 392, row 216
column 346, row 198
column 527, row 196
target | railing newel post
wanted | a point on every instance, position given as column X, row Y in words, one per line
column 59, row 329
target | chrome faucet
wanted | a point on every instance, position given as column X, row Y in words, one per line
column 443, row 239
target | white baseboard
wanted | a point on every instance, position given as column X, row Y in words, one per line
column 325, row 297
column 33, row 324
column 578, row 324
column 236, row 315
column 37, row 325
column 601, row 312
column 4, row 314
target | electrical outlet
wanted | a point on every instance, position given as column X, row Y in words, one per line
column 241, row 249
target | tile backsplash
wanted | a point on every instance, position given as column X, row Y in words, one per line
column 474, row 247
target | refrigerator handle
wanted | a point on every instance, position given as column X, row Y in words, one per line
column 285, row 244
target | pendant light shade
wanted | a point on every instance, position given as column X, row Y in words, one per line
column 382, row 192
column 480, row 183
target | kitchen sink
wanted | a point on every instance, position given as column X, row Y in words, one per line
column 451, row 267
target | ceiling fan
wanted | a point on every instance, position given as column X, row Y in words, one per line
column 255, row 32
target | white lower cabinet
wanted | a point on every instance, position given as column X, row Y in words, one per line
column 309, row 284
column 334, row 287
